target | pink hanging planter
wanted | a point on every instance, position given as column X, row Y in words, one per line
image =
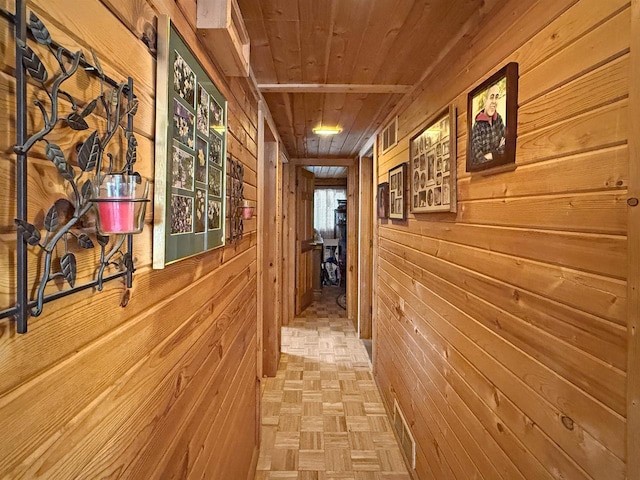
column 120, row 204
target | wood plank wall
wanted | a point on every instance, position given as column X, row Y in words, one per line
column 159, row 382
column 502, row 330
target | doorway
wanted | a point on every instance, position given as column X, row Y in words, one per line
column 351, row 242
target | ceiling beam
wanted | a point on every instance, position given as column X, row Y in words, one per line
column 331, row 182
column 322, row 162
column 332, row 88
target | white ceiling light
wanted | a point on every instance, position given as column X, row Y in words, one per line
column 327, row 130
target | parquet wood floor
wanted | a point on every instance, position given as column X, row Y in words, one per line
column 322, row 414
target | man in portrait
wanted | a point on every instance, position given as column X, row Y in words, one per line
column 488, row 132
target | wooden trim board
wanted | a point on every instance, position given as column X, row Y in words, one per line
column 633, row 238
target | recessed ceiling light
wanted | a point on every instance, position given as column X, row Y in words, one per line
column 327, row 130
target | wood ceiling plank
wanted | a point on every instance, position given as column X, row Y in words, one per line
column 284, row 39
column 261, row 53
column 349, row 112
column 277, row 106
column 299, row 122
column 350, row 19
column 333, row 112
column 279, row 10
column 369, row 119
column 386, row 22
column 333, row 88
column 428, row 29
column 313, row 109
column 316, row 27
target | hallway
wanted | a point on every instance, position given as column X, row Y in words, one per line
column 322, row 415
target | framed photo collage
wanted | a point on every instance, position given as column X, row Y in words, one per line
column 190, row 154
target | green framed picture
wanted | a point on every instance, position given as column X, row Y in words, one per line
column 191, row 119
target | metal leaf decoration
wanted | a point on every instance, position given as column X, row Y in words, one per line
column 84, row 241
column 87, row 191
column 132, row 150
column 66, row 171
column 55, row 154
column 91, row 106
column 32, row 62
column 102, row 240
column 68, row 265
column 39, row 31
column 89, row 152
column 127, row 262
column 51, row 219
column 114, row 96
column 29, row 232
column 75, row 121
column 131, row 139
column 133, row 107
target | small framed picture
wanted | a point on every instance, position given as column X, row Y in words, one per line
column 433, row 164
column 396, row 192
column 383, row 200
column 492, row 109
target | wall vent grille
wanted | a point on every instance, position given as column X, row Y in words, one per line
column 390, row 135
column 407, row 443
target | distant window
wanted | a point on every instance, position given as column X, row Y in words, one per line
column 390, row 135
column 325, row 201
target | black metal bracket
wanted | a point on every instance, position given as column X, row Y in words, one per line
column 68, row 219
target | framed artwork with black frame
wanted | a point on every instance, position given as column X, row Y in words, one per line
column 432, row 171
column 383, row 200
column 189, row 199
column 492, row 119
column 397, row 178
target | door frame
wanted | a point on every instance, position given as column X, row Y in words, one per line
column 269, row 213
column 633, row 252
column 366, row 220
column 289, row 192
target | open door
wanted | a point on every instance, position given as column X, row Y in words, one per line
column 304, row 239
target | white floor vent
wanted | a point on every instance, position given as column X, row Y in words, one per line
column 407, row 443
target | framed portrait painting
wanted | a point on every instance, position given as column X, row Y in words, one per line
column 432, row 170
column 492, row 109
column 189, row 202
column 383, row 200
column 397, row 177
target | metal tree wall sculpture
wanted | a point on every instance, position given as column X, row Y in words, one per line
column 235, row 186
column 66, row 219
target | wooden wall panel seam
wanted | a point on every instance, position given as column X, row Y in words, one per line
column 499, row 433
column 607, row 298
column 449, row 403
column 129, row 377
column 585, row 454
column 526, row 435
column 609, row 392
column 578, row 407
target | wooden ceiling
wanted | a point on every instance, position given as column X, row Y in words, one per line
column 345, row 63
column 328, row 172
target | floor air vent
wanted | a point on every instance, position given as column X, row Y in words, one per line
column 407, row 443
